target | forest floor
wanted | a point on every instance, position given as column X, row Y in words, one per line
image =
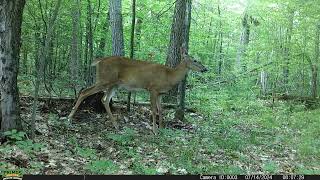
column 256, row 139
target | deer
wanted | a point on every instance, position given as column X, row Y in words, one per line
column 117, row 72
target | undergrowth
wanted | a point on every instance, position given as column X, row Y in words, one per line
column 233, row 132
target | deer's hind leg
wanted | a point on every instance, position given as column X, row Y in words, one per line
column 83, row 95
column 158, row 102
column 154, row 109
column 108, row 94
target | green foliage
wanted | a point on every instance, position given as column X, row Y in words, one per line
column 139, row 168
column 149, row 171
column 102, row 167
column 124, row 139
column 35, row 166
column 29, row 146
column 15, row 135
column 86, row 152
column 73, row 141
column 308, row 146
column 307, row 171
column 17, row 138
column 233, row 170
column 270, row 167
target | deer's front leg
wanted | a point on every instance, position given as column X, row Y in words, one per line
column 153, row 100
column 159, row 111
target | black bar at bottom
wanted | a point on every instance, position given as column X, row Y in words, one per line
column 169, row 177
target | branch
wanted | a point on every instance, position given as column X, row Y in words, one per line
column 42, row 16
column 71, row 99
column 164, row 11
column 242, row 74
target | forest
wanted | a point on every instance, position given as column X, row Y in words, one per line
column 160, row 87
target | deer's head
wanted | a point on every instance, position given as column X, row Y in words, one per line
column 191, row 62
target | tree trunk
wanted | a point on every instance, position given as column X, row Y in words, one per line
column 102, row 43
column 0, row 111
column 221, row 42
column 116, row 28
column 179, row 114
column 263, row 82
column 133, row 22
column 81, row 50
column 138, row 33
column 314, row 70
column 244, row 41
column 47, row 68
column 136, row 46
column 25, row 61
column 10, row 41
column 43, row 54
column 74, row 62
column 90, row 73
column 287, row 53
column 176, row 40
column 303, row 83
column 314, row 81
column 85, row 62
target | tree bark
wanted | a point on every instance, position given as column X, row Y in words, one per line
column 287, row 52
column 10, row 42
column 176, row 40
column 244, row 41
column 133, row 22
column 136, row 46
column 116, row 28
column 264, row 78
column 43, row 54
column 0, row 111
column 221, row 42
column 90, row 72
column 263, row 82
column 81, row 50
column 24, row 61
column 102, row 43
column 179, row 114
column 138, row 33
column 74, row 61
column 314, row 81
column 314, row 67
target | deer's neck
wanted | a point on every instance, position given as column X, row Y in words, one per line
column 180, row 72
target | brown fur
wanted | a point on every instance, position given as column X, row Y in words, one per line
column 114, row 72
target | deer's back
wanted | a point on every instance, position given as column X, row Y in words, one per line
column 132, row 74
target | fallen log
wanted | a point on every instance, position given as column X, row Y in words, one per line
column 309, row 102
column 94, row 103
